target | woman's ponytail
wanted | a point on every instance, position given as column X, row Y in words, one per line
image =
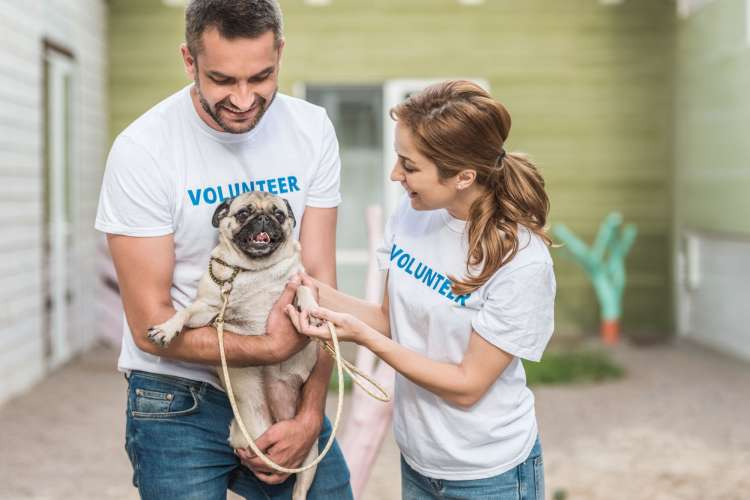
column 514, row 196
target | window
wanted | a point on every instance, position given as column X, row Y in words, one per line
column 356, row 113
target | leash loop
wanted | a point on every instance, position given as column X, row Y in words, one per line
column 341, row 366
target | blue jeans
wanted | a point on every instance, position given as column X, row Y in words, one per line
column 176, row 439
column 523, row 482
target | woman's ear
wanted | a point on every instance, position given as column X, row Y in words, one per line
column 465, row 179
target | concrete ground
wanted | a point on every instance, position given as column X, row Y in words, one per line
column 674, row 428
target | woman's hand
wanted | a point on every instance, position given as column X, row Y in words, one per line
column 313, row 324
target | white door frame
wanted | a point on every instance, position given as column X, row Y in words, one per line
column 61, row 161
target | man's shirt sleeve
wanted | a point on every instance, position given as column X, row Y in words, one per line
column 324, row 189
column 137, row 198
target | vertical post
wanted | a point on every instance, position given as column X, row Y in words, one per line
column 369, row 418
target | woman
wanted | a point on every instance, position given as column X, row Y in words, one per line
column 469, row 292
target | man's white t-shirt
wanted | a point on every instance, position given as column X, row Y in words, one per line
column 169, row 171
column 514, row 311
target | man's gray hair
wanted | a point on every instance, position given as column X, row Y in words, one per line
column 233, row 19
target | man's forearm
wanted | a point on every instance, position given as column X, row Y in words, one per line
column 201, row 345
column 313, row 404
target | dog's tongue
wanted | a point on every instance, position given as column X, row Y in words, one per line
column 262, row 237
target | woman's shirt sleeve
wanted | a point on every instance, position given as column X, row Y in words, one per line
column 518, row 312
column 383, row 252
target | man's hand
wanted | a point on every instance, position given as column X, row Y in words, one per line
column 282, row 335
column 286, row 443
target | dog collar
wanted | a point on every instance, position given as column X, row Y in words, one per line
column 220, row 282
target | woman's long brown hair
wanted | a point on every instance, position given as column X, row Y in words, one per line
column 459, row 126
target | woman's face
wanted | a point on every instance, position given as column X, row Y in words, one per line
column 419, row 176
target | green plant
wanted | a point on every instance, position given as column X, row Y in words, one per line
column 333, row 385
column 568, row 367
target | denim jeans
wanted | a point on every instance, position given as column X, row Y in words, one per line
column 176, row 439
column 523, row 482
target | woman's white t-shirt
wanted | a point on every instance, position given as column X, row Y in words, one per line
column 514, row 311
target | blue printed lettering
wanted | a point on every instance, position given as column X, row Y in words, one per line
column 423, row 273
column 261, row 184
column 282, row 185
column 417, row 274
column 221, row 193
column 293, row 184
column 209, row 199
column 195, row 196
column 408, row 267
column 439, row 280
column 246, row 188
column 272, row 186
column 403, row 260
column 396, row 251
column 234, row 192
column 429, row 277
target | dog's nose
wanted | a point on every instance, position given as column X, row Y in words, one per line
column 264, row 219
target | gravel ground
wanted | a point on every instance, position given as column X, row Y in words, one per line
column 674, row 428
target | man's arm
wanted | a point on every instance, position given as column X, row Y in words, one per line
column 318, row 240
column 145, row 268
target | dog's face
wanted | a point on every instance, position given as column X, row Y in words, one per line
column 257, row 223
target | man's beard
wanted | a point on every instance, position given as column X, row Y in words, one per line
column 260, row 102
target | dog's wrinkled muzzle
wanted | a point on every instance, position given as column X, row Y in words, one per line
column 260, row 236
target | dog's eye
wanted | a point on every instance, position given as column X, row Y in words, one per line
column 280, row 216
column 242, row 215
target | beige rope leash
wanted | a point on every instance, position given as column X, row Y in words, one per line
column 356, row 374
column 225, row 290
column 341, row 365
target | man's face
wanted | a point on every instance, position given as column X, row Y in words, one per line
column 235, row 80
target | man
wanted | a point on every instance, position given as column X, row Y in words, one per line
column 227, row 133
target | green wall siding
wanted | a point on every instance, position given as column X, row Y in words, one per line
column 712, row 150
column 589, row 88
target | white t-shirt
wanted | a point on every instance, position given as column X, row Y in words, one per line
column 514, row 311
column 168, row 171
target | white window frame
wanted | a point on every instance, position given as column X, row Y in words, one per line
column 686, row 8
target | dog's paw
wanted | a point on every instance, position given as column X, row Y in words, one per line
column 160, row 336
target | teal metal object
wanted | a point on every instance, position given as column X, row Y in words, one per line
column 604, row 263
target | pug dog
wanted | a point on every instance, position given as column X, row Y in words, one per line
column 255, row 234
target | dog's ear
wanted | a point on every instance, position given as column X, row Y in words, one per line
column 290, row 212
column 221, row 212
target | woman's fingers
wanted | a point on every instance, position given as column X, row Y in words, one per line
column 308, row 328
column 326, row 315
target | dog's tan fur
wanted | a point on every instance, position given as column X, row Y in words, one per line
column 264, row 394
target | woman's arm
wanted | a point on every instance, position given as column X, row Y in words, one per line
column 373, row 315
column 461, row 384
